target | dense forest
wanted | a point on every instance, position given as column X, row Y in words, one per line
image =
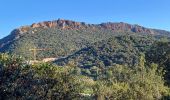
column 19, row 80
column 108, row 61
column 65, row 37
column 122, row 49
column 146, row 78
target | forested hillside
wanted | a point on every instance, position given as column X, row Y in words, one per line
column 108, row 61
column 122, row 49
column 64, row 37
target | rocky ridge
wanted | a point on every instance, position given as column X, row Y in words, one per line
column 72, row 25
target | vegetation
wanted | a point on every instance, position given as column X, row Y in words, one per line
column 60, row 42
column 47, row 81
column 93, row 63
column 123, row 49
column 160, row 53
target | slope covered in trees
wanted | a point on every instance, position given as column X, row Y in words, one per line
column 160, row 53
column 94, row 62
column 64, row 37
column 122, row 49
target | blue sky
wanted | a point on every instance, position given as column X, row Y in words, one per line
column 149, row 13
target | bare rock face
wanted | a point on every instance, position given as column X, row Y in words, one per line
column 64, row 24
column 140, row 29
column 126, row 27
column 24, row 29
column 117, row 26
column 46, row 24
column 35, row 25
column 72, row 25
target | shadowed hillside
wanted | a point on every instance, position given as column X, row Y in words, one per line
column 117, row 50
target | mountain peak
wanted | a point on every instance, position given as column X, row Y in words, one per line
column 72, row 25
column 61, row 23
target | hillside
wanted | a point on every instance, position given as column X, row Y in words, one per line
column 64, row 37
column 123, row 50
column 108, row 61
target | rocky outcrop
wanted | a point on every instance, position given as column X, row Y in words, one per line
column 126, row 27
column 62, row 31
column 46, row 24
column 117, row 26
column 64, row 24
column 72, row 25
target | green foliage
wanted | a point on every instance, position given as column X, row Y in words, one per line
column 142, row 82
column 96, row 64
column 160, row 53
column 19, row 80
column 123, row 49
column 61, row 42
column 48, row 81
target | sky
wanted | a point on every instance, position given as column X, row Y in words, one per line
column 148, row 13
